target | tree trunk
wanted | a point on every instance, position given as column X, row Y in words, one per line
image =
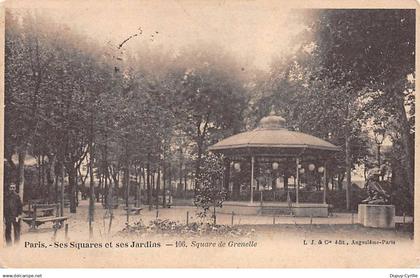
column 185, row 183
column 76, row 195
column 71, row 171
column 136, row 169
column 117, row 177
column 51, row 176
column 157, row 188
column 91, row 189
column 170, row 175
column 43, row 189
column 348, row 173
column 143, row 175
column 56, row 197
column 110, row 199
column 164, row 185
column 181, row 161
column 126, row 181
column 106, row 189
column 21, row 173
column 149, row 190
column 127, row 186
column 198, row 165
column 153, row 184
column 62, row 189
column 99, row 189
column 39, row 172
column 285, row 182
column 408, row 145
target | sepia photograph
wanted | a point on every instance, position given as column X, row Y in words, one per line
column 208, row 134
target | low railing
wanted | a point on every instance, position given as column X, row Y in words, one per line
column 279, row 196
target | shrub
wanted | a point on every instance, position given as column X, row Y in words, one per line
column 168, row 227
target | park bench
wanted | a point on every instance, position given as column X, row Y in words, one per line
column 168, row 200
column 39, row 214
column 66, row 203
column 39, row 209
column 132, row 210
column 34, row 222
column 404, row 223
column 132, row 207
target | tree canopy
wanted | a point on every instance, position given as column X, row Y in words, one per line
column 155, row 112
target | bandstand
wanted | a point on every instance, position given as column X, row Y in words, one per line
column 271, row 150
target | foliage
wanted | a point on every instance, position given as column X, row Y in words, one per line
column 354, row 70
column 210, row 193
column 210, row 96
column 168, row 227
column 135, row 109
column 372, row 53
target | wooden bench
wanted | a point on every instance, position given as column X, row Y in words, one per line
column 40, row 210
column 168, row 200
column 66, row 203
column 133, row 210
column 39, row 214
column 34, row 222
column 404, row 223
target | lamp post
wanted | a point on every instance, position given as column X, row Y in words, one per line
column 379, row 139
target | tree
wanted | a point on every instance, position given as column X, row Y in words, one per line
column 370, row 51
column 27, row 57
column 210, row 193
column 315, row 106
column 210, row 97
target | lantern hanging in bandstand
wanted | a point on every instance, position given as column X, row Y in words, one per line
column 311, row 167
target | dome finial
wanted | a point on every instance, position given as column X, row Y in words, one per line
column 272, row 121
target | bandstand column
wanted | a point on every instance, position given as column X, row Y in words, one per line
column 297, row 180
column 325, row 183
column 252, row 178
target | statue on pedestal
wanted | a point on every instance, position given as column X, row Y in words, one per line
column 375, row 188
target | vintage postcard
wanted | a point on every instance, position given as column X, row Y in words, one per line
column 217, row 134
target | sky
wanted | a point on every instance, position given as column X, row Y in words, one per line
column 254, row 31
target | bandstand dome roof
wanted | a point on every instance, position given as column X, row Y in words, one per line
column 272, row 134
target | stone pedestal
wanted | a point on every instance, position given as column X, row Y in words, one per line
column 376, row 216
